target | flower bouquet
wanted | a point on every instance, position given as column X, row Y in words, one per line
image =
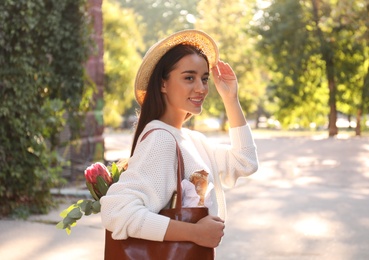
column 98, row 180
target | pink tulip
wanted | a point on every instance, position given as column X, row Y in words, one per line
column 98, row 169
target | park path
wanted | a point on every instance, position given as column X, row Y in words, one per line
column 308, row 200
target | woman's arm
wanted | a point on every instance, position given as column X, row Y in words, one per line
column 149, row 181
column 226, row 83
column 207, row 232
column 128, row 209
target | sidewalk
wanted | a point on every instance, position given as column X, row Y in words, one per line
column 309, row 200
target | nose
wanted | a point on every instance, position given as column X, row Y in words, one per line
column 201, row 87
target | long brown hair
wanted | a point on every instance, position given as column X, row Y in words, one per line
column 153, row 106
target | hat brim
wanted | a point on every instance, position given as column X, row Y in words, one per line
column 192, row 37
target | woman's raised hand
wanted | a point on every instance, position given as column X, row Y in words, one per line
column 225, row 81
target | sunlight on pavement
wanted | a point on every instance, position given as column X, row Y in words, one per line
column 74, row 253
column 308, row 180
column 343, row 136
column 319, row 137
column 366, row 147
column 283, row 184
column 313, row 226
column 327, row 195
column 331, row 163
column 366, row 174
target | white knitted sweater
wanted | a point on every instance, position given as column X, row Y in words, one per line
column 131, row 205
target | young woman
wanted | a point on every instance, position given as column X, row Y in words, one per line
column 171, row 86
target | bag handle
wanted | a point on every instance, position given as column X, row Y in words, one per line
column 180, row 169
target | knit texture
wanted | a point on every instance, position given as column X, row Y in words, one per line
column 130, row 207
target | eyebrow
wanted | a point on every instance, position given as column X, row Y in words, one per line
column 194, row 72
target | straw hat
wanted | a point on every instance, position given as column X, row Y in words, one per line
column 192, row 37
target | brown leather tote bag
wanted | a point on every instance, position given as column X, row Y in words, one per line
column 141, row 249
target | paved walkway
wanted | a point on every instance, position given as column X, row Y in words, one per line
column 309, row 200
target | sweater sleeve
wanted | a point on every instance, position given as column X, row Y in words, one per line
column 237, row 159
column 131, row 205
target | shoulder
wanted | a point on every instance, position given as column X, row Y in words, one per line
column 156, row 149
column 157, row 136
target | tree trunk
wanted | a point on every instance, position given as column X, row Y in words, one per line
column 364, row 94
column 332, row 127
column 358, row 123
column 327, row 54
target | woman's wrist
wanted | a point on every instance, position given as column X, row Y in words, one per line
column 180, row 231
column 234, row 112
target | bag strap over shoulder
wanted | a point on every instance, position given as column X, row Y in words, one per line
column 133, row 248
column 180, row 169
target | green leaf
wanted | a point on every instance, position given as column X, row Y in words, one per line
column 65, row 212
column 68, row 230
column 102, row 185
column 75, row 213
column 115, row 172
column 69, row 221
column 92, row 191
column 82, row 204
column 60, row 225
column 96, row 207
column 88, row 208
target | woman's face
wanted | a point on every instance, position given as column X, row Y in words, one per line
column 185, row 89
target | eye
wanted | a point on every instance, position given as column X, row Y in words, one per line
column 191, row 78
column 205, row 80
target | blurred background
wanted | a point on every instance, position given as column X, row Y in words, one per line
column 67, row 69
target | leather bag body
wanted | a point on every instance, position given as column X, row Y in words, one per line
column 137, row 249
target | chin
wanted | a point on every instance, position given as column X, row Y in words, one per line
column 195, row 112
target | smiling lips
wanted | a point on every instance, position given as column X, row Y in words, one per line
column 197, row 101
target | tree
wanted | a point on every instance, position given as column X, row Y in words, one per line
column 162, row 18
column 327, row 52
column 301, row 34
column 355, row 20
column 228, row 23
column 43, row 45
column 122, row 41
column 287, row 47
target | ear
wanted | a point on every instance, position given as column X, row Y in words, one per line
column 163, row 88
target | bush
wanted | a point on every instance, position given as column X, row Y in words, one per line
column 43, row 45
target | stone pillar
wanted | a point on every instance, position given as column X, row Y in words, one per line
column 90, row 147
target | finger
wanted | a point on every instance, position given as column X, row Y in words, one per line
column 216, row 76
column 216, row 218
column 222, row 226
column 215, row 71
column 225, row 69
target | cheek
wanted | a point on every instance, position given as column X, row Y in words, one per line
column 206, row 90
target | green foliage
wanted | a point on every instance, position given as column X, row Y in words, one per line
column 115, row 172
column 308, row 50
column 87, row 207
column 43, row 45
column 290, row 65
column 161, row 18
column 286, row 37
column 76, row 212
column 236, row 45
column 122, row 41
